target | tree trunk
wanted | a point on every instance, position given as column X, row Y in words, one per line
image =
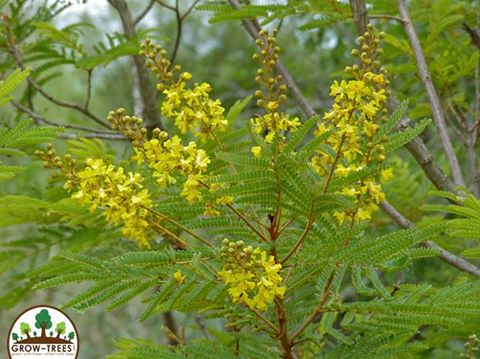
column 44, row 334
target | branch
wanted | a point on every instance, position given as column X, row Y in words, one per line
column 178, row 36
column 437, row 110
column 18, row 60
column 179, row 225
column 149, row 111
column 144, row 13
column 445, row 255
column 474, row 36
column 360, row 15
column 386, row 17
column 40, row 118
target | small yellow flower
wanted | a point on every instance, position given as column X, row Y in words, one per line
column 256, row 151
column 179, row 277
column 186, row 76
column 386, row 174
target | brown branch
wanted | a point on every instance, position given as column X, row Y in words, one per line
column 161, row 3
column 103, row 136
column 42, row 119
column 178, row 36
column 265, row 320
column 474, row 36
column 144, row 12
column 147, row 92
column 435, row 104
column 170, row 324
column 245, row 220
column 386, row 17
column 19, row 61
column 445, row 255
column 179, row 225
column 89, row 89
column 296, row 248
column 360, row 15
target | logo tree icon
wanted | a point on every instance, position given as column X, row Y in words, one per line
column 60, row 329
column 25, row 329
column 71, row 335
column 43, row 321
column 15, row 337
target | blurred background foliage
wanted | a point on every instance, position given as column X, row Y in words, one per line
column 60, row 42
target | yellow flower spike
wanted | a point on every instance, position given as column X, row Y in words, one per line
column 121, row 196
column 252, row 276
column 356, row 115
column 191, row 109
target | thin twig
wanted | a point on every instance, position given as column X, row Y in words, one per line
column 245, row 220
column 42, row 119
column 386, row 17
column 437, row 110
column 179, row 225
column 103, row 136
column 89, row 88
column 18, row 60
column 189, row 10
column 296, row 248
column 178, row 36
column 265, row 320
column 144, row 12
column 161, row 3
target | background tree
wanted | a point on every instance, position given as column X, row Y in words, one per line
column 71, row 336
column 15, row 337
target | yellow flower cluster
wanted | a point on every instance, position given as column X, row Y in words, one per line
column 358, row 110
column 272, row 92
column 252, row 275
column 121, row 196
column 165, row 155
column 192, row 109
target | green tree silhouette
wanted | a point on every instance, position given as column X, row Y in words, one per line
column 60, row 329
column 34, row 334
column 51, row 334
column 43, row 321
column 25, row 329
column 71, row 335
column 15, row 337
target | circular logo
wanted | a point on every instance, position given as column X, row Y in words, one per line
column 43, row 332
